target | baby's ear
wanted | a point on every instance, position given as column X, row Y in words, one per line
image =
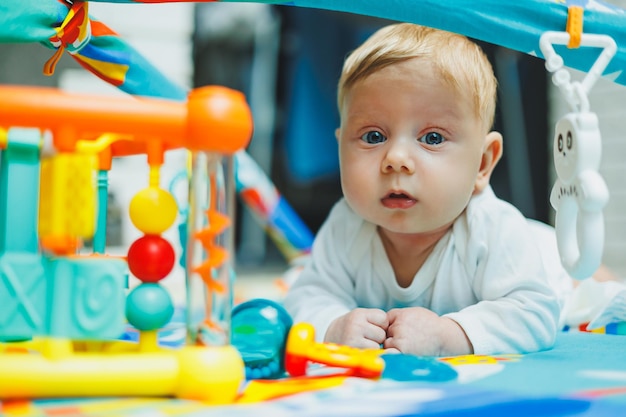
column 492, row 152
column 337, row 133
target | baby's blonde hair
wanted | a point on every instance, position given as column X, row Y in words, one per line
column 460, row 62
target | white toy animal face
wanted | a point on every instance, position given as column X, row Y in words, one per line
column 566, row 150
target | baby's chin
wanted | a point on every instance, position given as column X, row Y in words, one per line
column 397, row 226
column 410, row 226
column 399, row 222
column 400, row 230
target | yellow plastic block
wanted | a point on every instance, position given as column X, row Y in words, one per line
column 4, row 138
column 68, row 196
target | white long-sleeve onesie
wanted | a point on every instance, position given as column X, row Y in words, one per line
column 490, row 273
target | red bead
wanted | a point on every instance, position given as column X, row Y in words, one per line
column 151, row 258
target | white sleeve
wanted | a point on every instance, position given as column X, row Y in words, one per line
column 325, row 288
column 518, row 310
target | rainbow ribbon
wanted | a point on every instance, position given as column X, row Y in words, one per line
column 63, row 26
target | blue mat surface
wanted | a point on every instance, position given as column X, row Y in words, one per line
column 584, row 365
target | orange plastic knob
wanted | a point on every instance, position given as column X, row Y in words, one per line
column 219, row 120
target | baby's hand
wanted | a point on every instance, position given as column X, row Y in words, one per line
column 419, row 331
column 362, row 328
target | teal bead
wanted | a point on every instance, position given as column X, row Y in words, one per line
column 149, row 307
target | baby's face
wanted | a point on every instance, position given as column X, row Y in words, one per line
column 410, row 149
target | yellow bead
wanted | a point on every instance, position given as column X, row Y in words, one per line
column 153, row 210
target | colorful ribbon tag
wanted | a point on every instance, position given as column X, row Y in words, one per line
column 73, row 34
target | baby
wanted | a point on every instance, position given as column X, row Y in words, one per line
column 420, row 256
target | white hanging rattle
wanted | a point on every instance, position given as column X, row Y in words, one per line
column 579, row 193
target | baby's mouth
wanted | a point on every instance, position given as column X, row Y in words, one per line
column 399, row 195
column 398, row 199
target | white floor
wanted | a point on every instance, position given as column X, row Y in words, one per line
column 264, row 282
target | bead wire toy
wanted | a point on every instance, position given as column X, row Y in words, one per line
column 70, row 308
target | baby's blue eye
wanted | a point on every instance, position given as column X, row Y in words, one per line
column 432, row 138
column 373, row 136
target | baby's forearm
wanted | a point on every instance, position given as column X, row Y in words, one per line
column 453, row 339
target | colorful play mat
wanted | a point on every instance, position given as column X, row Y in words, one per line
column 584, row 375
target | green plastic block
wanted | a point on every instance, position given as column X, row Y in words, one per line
column 86, row 297
column 22, row 296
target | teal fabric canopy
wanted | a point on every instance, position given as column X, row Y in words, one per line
column 514, row 25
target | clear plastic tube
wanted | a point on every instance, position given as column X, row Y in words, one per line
column 209, row 272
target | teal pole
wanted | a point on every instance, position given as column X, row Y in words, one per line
column 99, row 239
column 19, row 191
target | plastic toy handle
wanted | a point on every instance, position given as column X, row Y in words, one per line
column 209, row 374
column 301, row 349
column 215, row 118
column 580, row 228
column 554, row 61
